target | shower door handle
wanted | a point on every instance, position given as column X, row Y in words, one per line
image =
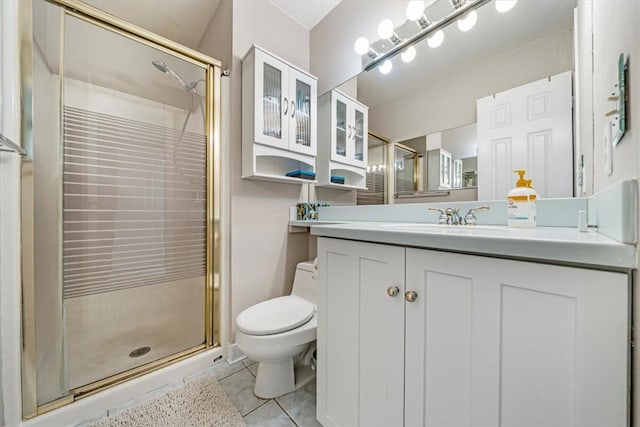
column 286, row 105
column 293, row 109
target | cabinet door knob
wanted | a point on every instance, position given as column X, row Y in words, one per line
column 411, row 296
column 286, row 105
column 392, row 291
column 293, row 109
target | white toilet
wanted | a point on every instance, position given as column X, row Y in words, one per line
column 275, row 331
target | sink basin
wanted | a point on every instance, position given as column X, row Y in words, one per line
column 416, row 226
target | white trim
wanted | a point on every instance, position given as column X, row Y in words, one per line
column 10, row 293
column 235, row 354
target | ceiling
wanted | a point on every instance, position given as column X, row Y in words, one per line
column 183, row 21
column 307, row 13
column 494, row 34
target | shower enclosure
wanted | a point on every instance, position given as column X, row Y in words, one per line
column 118, row 202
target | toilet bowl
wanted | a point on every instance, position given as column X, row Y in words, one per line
column 275, row 331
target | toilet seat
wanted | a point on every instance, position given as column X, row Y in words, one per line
column 275, row 315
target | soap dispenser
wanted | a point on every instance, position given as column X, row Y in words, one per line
column 521, row 203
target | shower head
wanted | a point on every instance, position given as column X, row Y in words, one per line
column 163, row 67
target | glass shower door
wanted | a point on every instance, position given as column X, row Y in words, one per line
column 116, row 210
column 134, row 203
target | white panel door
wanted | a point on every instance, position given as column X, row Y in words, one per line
column 535, row 122
column 360, row 334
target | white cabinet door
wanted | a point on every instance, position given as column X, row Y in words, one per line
column 340, row 132
column 446, row 361
column 302, row 112
column 561, row 340
column 359, row 132
column 360, row 334
column 500, row 342
column 272, row 101
column 528, row 127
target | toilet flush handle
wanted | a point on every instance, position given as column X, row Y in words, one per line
column 392, row 291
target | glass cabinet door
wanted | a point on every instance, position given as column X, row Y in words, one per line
column 339, row 151
column 302, row 111
column 445, row 169
column 272, row 102
column 359, row 136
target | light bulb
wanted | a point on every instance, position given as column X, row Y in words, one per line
column 467, row 23
column 361, row 46
column 436, row 39
column 386, row 67
column 385, row 29
column 408, row 54
column 503, row 6
column 415, row 10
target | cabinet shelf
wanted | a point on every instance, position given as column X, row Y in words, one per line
column 341, row 186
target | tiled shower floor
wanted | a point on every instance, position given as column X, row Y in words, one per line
column 294, row 409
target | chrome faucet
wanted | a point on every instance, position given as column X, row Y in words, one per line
column 470, row 217
column 451, row 216
column 448, row 216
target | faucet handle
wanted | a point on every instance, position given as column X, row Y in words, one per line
column 443, row 218
column 470, row 217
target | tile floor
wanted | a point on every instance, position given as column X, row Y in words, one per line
column 294, row 409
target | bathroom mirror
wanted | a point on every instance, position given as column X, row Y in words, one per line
column 438, row 90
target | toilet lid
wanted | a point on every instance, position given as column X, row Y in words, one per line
column 275, row 315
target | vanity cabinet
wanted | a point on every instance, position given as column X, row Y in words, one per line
column 343, row 133
column 467, row 340
column 279, row 128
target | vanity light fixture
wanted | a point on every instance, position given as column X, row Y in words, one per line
column 415, row 13
column 362, row 47
column 386, row 31
column 463, row 10
column 436, row 39
column 386, row 67
column 408, row 54
column 468, row 22
column 503, row 6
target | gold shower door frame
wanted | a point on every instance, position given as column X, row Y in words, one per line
column 212, row 68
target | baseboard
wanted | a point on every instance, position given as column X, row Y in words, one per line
column 235, row 354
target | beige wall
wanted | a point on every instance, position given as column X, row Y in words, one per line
column 263, row 253
column 216, row 40
column 615, row 29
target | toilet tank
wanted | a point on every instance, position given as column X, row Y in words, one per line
column 304, row 285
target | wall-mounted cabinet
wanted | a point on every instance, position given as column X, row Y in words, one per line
column 439, row 165
column 342, row 148
column 279, row 125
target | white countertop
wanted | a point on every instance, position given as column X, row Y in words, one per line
column 552, row 244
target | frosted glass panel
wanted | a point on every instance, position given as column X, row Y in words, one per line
column 358, row 136
column 341, row 129
column 303, row 113
column 272, row 101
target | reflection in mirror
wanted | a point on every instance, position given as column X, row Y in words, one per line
column 406, row 170
column 376, row 178
column 440, row 88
